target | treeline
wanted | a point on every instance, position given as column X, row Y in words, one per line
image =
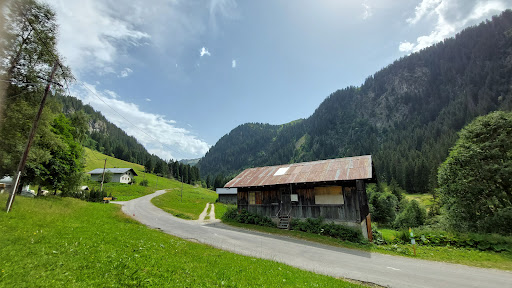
column 406, row 115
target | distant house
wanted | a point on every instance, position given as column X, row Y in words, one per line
column 227, row 195
column 120, row 175
column 333, row 189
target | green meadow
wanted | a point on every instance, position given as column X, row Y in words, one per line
column 65, row 242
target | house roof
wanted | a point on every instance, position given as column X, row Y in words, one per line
column 226, row 191
column 340, row 169
column 113, row 170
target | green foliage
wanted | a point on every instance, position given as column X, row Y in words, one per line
column 144, row 182
column 383, row 205
column 439, row 238
column 475, row 182
column 412, row 215
column 317, row 226
column 247, row 217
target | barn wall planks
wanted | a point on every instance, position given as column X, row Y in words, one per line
column 268, row 201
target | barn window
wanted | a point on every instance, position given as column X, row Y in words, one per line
column 329, row 195
column 252, row 198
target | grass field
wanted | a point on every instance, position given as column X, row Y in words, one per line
column 426, row 200
column 193, row 202
column 64, row 242
column 502, row 261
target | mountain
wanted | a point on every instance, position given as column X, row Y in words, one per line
column 191, row 162
column 406, row 115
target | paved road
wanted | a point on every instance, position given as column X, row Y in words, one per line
column 377, row 268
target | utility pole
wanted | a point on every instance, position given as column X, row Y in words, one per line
column 23, row 161
column 103, row 178
column 181, row 188
column 156, row 186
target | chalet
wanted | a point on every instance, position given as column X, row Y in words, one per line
column 227, row 195
column 334, row 189
column 121, row 175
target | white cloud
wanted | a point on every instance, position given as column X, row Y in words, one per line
column 112, row 94
column 148, row 100
column 204, row 51
column 233, row 63
column 367, row 13
column 424, row 8
column 125, row 72
column 405, row 46
column 450, row 16
column 165, row 139
column 90, row 36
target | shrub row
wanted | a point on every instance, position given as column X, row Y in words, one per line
column 480, row 242
column 317, row 226
column 247, row 217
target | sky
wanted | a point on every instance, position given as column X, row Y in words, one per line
column 179, row 74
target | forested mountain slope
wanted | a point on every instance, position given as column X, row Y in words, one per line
column 406, row 115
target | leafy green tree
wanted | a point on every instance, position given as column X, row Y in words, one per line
column 413, row 215
column 383, row 207
column 475, row 181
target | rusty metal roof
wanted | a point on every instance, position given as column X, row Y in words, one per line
column 340, row 169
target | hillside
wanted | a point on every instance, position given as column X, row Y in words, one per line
column 406, row 115
column 125, row 192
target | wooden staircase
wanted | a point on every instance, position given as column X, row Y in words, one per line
column 284, row 222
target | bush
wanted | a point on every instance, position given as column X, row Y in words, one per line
column 144, row 183
column 496, row 243
column 500, row 222
column 413, row 215
column 247, row 217
column 317, row 226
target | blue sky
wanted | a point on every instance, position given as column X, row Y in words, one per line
column 178, row 75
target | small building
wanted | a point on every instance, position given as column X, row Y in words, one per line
column 120, row 175
column 333, row 189
column 227, row 195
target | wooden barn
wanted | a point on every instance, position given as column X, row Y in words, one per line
column 334, row 189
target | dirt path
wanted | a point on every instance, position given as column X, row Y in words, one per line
column 211, row 215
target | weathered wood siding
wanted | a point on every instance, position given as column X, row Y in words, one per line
column 269, row 201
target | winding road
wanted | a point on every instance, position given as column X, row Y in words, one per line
column 385, row 270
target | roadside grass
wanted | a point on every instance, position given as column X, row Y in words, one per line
column 193, row 203
column 221, row 208
column 465, row 256
column 63, row 242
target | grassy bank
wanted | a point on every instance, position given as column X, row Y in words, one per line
column 190, row 206
column 63, row 242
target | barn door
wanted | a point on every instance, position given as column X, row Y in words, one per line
column 286, row 201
